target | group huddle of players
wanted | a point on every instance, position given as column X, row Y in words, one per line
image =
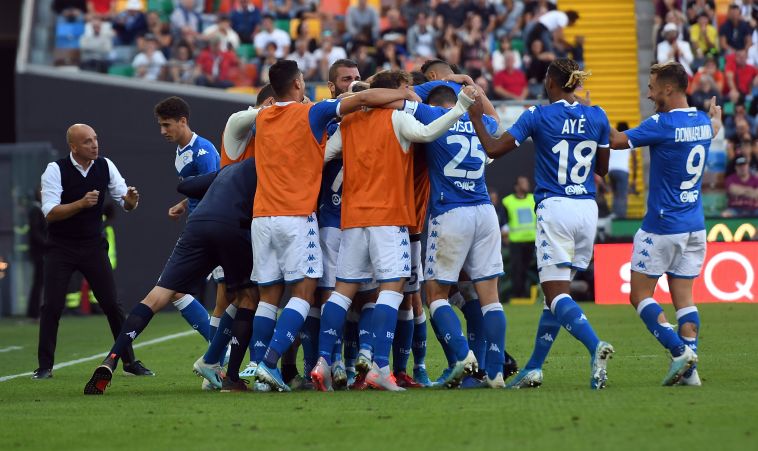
column 329, row 201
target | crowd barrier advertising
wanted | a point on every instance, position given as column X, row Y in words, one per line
column 728, row 274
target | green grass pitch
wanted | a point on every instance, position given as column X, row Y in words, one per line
column 171, row 412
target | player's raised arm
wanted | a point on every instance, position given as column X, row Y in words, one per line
column 412, row 130
column 714, row 112
column 494, row 147
column 333, row 147
column 372, row 98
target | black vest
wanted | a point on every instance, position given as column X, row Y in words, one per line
column 87, row 225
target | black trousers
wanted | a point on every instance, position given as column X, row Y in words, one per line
column 35, row 295
column 61, row 260
column 521, row 261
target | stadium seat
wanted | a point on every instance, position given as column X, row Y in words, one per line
column 517, row 44
column 314, row 28
column 335, row 7
column 246, row 52
column 122, row 70
column 714, row 203
column 283, row 24
column 163, row 7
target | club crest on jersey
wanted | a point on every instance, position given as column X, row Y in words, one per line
column 336, row 199
column 573, row 190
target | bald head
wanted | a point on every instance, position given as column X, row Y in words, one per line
column 82, row 140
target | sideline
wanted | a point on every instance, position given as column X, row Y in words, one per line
column 102, row 355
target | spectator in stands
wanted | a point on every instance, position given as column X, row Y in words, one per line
column 366, row 63
column 453, row 12
column 96, row 44
column 549, row 30
column 267, row 60
column 387, row 58
column 304, row 9
column 711, row 69
column 130, row 23
column 740, row 117
column 245, row 20
column 181, row 68
column 149, row 63
column 618, row 174
column 412, row 8
column 497, row 60
column 674, row 49
column 486, row 11
column 678, row 19
column 510, row 83
column 704, row 37
column 306, row 62
column 449, row 45
column 697, row 7
column 749, row 11
column 361, row 16
column 217, row 68
column 280, row 8
column 662, row 9
column 394, row 32
column 742, row 191
column 270, row 34
column 197, row 5
column 735, row 33
column 185, row 21
column 740, row 76
column 69, row 27
column 509, row 17
column 161, row 30
column 537, row 68
column 421, row 38
column 474, row 50
column 222, row 29
column 304, row 32
column 704, row 90
column 328, row 53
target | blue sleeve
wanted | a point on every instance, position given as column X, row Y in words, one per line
column 426, row 114
column 424, row 89
column 524, row 126
column 649, row 132
column 605, row 129
column 207, row 159
column 320, row 114
column 490, row 124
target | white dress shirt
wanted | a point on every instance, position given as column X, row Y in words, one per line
column 52, row 189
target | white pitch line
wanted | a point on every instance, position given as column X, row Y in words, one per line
column 102, row 355
column 11, row 348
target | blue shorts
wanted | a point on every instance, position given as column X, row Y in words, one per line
column 202, row 246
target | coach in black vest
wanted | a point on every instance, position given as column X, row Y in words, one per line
column 73, row 191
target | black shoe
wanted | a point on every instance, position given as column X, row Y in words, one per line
column 100, row 379
column 510, row 367
column 136, row 368
column 43, row 373
column 228, row 385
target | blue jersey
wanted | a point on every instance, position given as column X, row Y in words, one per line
column 679, row 141
column 566, row 137
column 455, row 160
column 424, row 89
column 198, row 157
column 330, row 198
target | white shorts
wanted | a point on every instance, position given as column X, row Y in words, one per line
column 381, row 253
column 566, row 230
column 285, row 249
column 329, row 238
column 417, row 270
column 678, row 255
column 464, row 238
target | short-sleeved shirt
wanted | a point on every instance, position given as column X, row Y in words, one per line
column 513, row 82
column 456, row 162
column 741, row 202
column 735, row 35
column 198, row 157
column 679, row 141
column 566, row 137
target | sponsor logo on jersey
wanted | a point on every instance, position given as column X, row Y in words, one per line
column 575, row 190
column 689, row 197
column 465, row 186
column 336, row 199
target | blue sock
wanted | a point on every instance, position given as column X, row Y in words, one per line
column 287, row 328
column 419, row 341
column 472, row 312
column 365, row 340
column 689, row 315
column 213, row 326
column 383, row 323
column 195, row 314
column 309, row 339
column 449, row 327
column 547, row 333
column 264, row 323
column 449, row 354
column 218, row 345
column 351, row 339
column 649, row 311
column 401, row 345
column 571, row 316
column 494, row 328
column 332, row 321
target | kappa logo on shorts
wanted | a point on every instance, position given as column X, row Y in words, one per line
column 310, row 271
column 406, row 255
column 539, row 218
column 433, row 246
column 641, row 265
column 311, row 245
column 645, row 253
column 433, row 234
column 546, row 257
column 311, row 219
column 435, row 222
column 404, row 242
column 648, row 241
column 311, row 232
column 311, row 258
column 429, row 271
column 402, row 230
column 541, row 207
column 406, row 268
column 431, row 259
column 544, row 243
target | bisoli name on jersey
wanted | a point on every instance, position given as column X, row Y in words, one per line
column 463, row 127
